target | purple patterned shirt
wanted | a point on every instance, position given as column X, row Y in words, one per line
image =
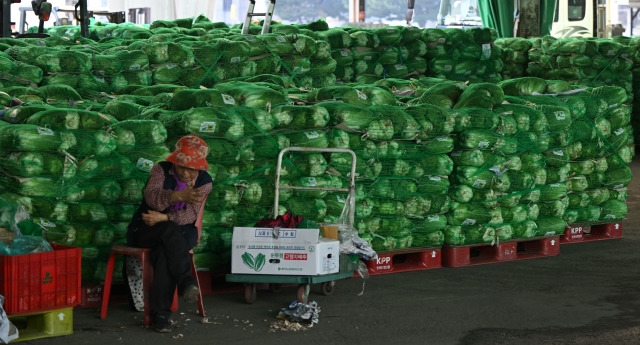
column 160, row 199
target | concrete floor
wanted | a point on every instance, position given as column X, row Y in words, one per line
column 588, row 294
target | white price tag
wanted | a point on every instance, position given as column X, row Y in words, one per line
column 47, row 223
column 469, row 221
column 45, row 131
column 486, row 51
column 208, row 127
column 479, row 183
column 312, row 134
column 433, row 218
column 560, row 115
column 227, row 99
column 144, row 164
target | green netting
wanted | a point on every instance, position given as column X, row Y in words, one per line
column 458, row 161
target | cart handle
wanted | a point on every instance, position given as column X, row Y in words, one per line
column 352, row 187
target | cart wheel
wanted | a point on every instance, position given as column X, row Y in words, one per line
column 274, row 287
column 250, row 293
column 327, row 287
column 303, row 293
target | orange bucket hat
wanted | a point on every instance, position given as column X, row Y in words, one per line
column 191, row 152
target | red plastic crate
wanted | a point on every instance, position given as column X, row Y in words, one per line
column 475, row 254
column 585, row 233
column 43, row 281
column 404, row 260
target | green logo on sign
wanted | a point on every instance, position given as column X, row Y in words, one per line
column 256, row 263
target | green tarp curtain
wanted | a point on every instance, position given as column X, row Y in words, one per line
column 499, row 15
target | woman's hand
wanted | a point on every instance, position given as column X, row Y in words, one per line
column 189, row 195
column 152, row 217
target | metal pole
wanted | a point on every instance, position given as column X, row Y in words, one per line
column 83, row 17
column 6, row 18
column 633, row 16
column 84, row 25
column 410, row 5
column 443, row 11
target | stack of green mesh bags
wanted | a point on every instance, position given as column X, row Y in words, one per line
column 463, row 55
column 566, row 169
column 529, row 165
column 88, row 67
column 439, row 160
column 234, row 119
column 515, row 56
column 491, row 187
column 634, row 44
column 368, row 55
column 402, row 165
column 74, row 176
column 591, row 62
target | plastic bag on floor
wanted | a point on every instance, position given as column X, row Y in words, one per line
column 8, row 330
column 300, row 312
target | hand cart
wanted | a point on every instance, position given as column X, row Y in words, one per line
column 346, row 265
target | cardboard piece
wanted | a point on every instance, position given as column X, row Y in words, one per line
column 6, row 236
column 329, row 231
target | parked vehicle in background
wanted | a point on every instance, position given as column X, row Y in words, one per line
column 572, row 18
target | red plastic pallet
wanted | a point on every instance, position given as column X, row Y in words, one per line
column 484, row 253
column 91, row 296
column 404, row 260
column 586, row 233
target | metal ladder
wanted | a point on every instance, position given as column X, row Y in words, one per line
column 267, row 16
